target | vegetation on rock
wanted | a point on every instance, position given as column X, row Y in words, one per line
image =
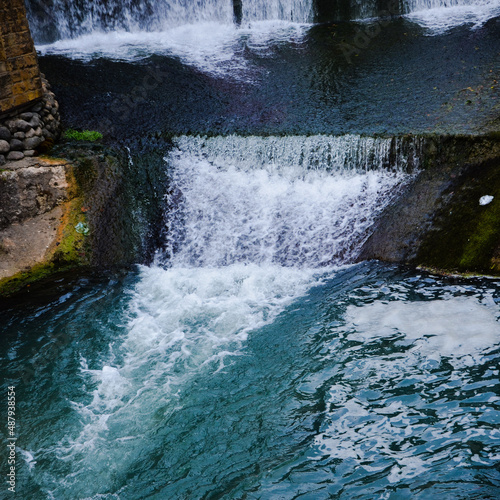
column 84, row 135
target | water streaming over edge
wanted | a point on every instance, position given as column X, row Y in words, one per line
column 251, row 223
column 205, row 34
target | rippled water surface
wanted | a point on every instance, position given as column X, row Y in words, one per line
column 281, row 78
column 252, row 359
column 259, row 382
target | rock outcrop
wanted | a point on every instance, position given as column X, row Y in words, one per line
column 439, row 222
column 93, row 209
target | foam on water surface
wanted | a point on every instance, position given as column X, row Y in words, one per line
column 216, row 45
column 183, row 323
column 383, row 401
column 436, row 329
column 212, row 47
column 438, row 16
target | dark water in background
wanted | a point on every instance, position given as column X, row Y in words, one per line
column 251, row 360
column 296, row 82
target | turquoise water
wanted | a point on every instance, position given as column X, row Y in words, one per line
column 375, row 382
column 252, row 359
column 249, row 361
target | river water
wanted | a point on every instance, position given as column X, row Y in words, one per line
column 254, row 359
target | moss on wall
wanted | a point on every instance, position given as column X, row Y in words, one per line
column 466, row 235
column 114, row 215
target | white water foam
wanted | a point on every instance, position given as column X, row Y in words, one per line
column 438, row 16
column 250, row 234
column 183, row 322
column 367, row 429
column 292, row 201
column 211, row 47
column 436, row 329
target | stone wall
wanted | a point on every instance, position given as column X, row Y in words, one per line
column 20, row 82
column 29, row 113
column 32, row 131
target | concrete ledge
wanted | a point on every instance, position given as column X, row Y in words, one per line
column 31, row 187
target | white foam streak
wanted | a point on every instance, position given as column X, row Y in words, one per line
column 209, row 46
column 460, row 329
column 442, row 328
column 182, row 322
column 438, row 16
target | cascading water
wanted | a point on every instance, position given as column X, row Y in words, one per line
column 416, row 5
column 62, row 19
column 362, row 9
column 246, row 356
column 70, row 19
column 293, row 201
column 439, row 15
column 253, row 359
column 298, row 11
column 252, row 221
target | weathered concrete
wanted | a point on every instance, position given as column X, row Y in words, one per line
column 28, row 243
column 31, row 187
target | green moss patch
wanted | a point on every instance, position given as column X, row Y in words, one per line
column 72, row 249
column 25, row 279
column 84, row 135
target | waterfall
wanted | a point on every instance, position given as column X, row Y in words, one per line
column 70, row 18
column 418, row 5
column 254, row 223
column 52, row 20
column 299, row 11
column 440, row 15
column 61, row 19
column 291, row 201
column 456, row 11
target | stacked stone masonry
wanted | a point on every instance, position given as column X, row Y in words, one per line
column 20, row 80
column 32, row 131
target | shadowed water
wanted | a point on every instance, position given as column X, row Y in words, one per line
column 278, row 79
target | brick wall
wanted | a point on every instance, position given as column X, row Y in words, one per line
column 20, row 81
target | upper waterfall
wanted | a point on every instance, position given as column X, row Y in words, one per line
column 61, row 19
column 430, row 13
column 52, row 20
